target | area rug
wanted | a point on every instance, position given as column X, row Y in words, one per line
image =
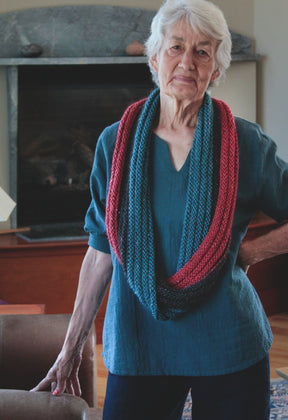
column 279, row 401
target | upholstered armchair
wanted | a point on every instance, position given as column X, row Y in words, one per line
column 29, row 345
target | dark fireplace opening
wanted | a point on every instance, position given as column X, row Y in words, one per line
column 61, row 112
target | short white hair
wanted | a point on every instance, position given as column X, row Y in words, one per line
column 203, row 16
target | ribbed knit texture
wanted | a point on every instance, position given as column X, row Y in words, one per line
column 206, row 228
column 199, row 194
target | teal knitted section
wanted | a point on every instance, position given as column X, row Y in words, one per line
column 140, row 244
column 140, row 256
column 199, row 195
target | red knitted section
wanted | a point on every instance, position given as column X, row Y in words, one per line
column 117, row 169
column 216, row 243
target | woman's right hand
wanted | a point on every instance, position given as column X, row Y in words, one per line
column 95, row 275
column 63, row 375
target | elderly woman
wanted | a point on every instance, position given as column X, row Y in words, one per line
column 174, row 187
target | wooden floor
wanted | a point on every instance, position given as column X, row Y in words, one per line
column 279, row 350
column 278, row 353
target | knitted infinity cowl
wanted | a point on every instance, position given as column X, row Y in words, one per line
column 210, row 204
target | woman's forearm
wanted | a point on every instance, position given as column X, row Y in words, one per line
column 95, row 275
column 265, row 246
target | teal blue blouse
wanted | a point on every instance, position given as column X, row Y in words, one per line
column 229, row 331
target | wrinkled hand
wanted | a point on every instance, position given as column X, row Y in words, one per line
column 245, row 256
column 63, row 376
column 245, row 267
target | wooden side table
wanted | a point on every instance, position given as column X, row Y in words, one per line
column 25, row 309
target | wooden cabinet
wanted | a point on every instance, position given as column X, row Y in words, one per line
column 47, row 272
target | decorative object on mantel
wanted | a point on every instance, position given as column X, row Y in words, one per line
column 85, row 31
column 135, row 48
column 31, row 50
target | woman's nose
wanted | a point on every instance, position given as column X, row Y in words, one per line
column 188, row 60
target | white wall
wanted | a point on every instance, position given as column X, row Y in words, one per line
column 239, row 15
column 271, row 34
column 241, row 97
column 4, row 161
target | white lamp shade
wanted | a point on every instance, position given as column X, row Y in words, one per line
column 6, row 205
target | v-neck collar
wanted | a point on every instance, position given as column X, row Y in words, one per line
column 165, row 147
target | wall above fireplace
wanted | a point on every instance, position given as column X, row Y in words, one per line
column 85, row 31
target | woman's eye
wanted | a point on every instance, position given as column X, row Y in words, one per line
column 175, row 49
column 203, row 55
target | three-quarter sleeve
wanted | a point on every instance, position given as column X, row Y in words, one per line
column 99, row 183
column 263, row 175
column 272, row 191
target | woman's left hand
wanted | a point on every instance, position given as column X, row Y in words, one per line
column 263, row 247
column 244, row 256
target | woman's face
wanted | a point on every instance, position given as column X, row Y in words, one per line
column 186, row 63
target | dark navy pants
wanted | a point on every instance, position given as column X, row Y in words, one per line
column 243, row 395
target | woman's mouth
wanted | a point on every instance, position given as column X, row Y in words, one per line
column 184, row 79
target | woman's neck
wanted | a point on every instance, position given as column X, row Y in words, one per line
column 176, row 125
column 177, row 120
column 177, row 115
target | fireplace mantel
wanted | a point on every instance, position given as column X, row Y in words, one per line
column 46, row 61
column 52, row 61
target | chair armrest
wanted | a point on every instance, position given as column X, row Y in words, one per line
column 25, row 405
column 29, row 345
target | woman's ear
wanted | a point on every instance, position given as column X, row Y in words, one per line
column 215, row 75
column 154, row 62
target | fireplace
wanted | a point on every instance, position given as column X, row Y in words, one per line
column 60, row 101
column 61, row 112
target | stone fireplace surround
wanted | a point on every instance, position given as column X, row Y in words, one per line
column 74, row 36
